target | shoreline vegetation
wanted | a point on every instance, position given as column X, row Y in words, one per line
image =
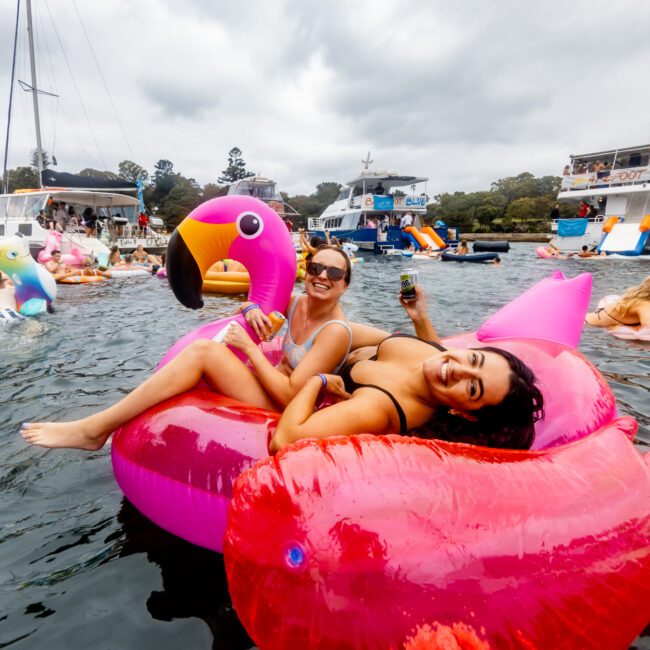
column 516, row 205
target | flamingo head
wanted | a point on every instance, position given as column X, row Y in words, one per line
column 235, row 227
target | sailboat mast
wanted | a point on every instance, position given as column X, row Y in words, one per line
column 37, row 121
column 5, row 177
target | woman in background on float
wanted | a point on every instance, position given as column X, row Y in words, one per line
column 411, row 385
column 318, row 340
column 633, row 309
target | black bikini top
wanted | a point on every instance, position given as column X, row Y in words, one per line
column 351, row 385
column 602, row 309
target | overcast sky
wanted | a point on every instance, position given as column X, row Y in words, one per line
column 462, row 92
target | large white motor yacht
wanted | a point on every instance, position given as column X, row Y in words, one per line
column 374, row 198
column 616, row 185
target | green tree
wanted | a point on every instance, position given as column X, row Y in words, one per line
column 521, row 209
column 96, row 173
column 212, row 191
column 22, row 178
column 132, row 172
column 163, row 180
column 184, row 196
column 489, row 209
column 236, row 167
column 34, row 160
column 326, row 193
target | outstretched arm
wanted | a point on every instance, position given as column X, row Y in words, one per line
column 418, row 311
column 363, row 413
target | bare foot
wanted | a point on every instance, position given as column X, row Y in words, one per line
column 74, row 435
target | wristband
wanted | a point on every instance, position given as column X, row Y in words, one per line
column 323, row 378
column 253, row 306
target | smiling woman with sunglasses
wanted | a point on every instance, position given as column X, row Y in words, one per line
column 317, row 341
column 414, row 386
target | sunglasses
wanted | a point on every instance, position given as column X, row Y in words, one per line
column 333, row 272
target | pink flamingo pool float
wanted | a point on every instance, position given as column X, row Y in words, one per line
column 377, row 541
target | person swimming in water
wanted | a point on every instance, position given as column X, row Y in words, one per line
column 633, row 309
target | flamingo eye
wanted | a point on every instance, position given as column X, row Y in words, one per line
column 249, row 225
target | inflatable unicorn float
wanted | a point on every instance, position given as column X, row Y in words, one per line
column 35, row 287
column 385, row 541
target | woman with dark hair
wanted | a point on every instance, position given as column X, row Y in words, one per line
column 414, row 386
column 318, row 339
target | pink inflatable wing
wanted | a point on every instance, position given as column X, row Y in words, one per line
column 552, row 310
column 373, row 541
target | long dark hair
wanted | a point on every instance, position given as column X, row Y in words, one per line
column 507, row 425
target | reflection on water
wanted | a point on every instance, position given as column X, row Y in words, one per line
column 79, row 567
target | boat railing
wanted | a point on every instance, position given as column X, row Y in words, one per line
column 599, row 218
column 603, row 179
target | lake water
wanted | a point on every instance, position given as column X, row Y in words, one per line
column 81, row 568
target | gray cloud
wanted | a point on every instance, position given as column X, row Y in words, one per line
column 462, row 92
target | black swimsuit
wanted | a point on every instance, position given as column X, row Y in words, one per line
column 351, row 385
column 597, row 312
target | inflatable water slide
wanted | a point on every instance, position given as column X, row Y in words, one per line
column 625, row 238
column 424, row 238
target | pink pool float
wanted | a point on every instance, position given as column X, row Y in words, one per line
column 53, row 242
column 376, row 541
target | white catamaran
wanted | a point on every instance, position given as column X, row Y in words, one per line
column 30, row 212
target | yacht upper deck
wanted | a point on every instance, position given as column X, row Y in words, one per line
column 627, row 168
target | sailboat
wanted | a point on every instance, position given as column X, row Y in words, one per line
column 116, row 203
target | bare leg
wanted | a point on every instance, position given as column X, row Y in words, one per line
column 225, row 372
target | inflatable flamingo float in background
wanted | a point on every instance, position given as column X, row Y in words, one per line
column 53, row 242
column 368, row 542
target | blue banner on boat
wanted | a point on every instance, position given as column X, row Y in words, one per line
column 383, row 202
column 571, row 227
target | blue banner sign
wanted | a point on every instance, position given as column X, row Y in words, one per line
column 571, row 227
column 382, row 202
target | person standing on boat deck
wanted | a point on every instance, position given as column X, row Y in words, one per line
column 566, row 171
column 584, row 210
column 406, row 221
column 143, row 222
column 379, row 189
column 555, row 212
column 73, row 219
column 89, row 221
column 60, row 217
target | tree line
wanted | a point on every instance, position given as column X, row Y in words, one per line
column 521, row 202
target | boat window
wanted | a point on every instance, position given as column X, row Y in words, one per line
column 25, row 229
column 33, row 204
column 343, row 194
column 4, row 202
column 16, row 206
column 358, row 191
column 2, row 230
column 265, row 192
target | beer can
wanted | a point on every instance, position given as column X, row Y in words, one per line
column 408, row 281
column 277, row 321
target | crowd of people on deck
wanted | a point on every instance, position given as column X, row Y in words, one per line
column 64, row 218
